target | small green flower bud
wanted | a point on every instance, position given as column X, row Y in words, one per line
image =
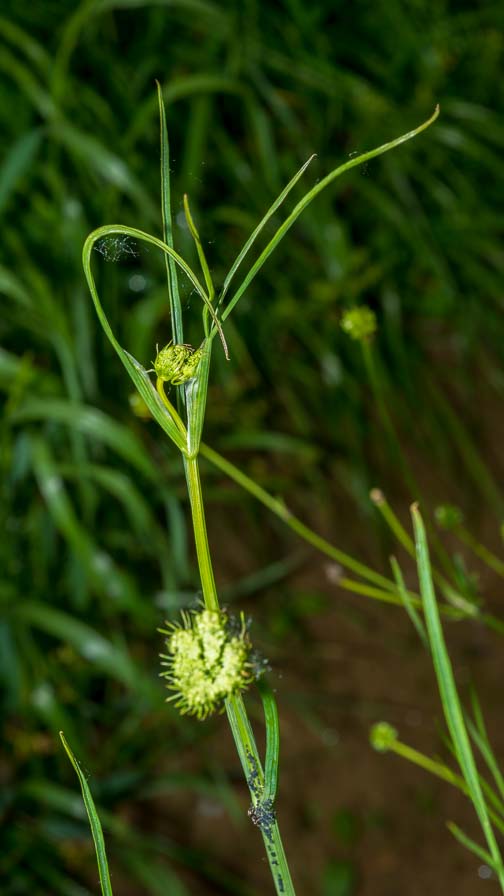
column 177, row 364
column 208, row 660
column 382, row 737
column 359, row 323
column 448, row 516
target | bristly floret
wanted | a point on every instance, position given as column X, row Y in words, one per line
column 208, row 660
column 359, row 323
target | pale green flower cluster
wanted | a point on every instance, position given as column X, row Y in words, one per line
column 359, row 323
column 177, row 364
column 206, row 661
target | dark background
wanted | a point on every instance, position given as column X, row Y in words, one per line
column 95, row 548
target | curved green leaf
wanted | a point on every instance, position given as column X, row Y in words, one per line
column 94, row 821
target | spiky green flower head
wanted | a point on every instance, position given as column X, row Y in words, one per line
column 177, row 364
column 359, row 323
column 208, row 660
column 383, row 737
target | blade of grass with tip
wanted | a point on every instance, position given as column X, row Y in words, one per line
column 262, row 223
column 449, row 697
column 305, row 201
column 171, row 268
column 94, row 821
column 473, row 847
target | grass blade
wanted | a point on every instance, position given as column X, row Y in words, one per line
column 262, row 223
column 272, row 740
column 473, row 847
column 305, row 201
column 171, row 268
column 487, row 753
column 137, row 373
column 448, row 691
column 94, row 821
column 196, row 396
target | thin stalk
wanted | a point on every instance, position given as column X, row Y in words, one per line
column 200, row 533
column 387, row 590
column 168, row 405
column 235, row 707
column 254, row 775
column 280, row 510
column 440, row 770
column 403, row 537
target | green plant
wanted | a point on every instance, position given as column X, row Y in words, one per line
column 188, row 370
column 95, row 548
column 487, row 799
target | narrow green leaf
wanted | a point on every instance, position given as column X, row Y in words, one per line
column 171, row 268
column 305, row 201
column 488, row 755
column 473, row 847
column 137, row 373
column 262, row 223
column 196, row 397
column 245, row 744
column 199, row 248
column 153, row 401
column 272, row 740
column 94, row 821
column 111, row 230
column 207, row 276
column 448, row 691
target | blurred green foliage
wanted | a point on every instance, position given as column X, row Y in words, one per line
column 94, row 546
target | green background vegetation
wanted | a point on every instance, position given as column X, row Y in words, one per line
column 94, row 550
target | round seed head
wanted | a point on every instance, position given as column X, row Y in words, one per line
column 177, row 364
column 207, row 661
column 382, row 736
column 359, row 323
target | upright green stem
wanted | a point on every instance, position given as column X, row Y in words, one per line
column 200, row 533
column 235, row 707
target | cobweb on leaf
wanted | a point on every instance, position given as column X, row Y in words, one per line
column 113, row 248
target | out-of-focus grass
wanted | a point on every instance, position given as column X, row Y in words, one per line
column 93, row 546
